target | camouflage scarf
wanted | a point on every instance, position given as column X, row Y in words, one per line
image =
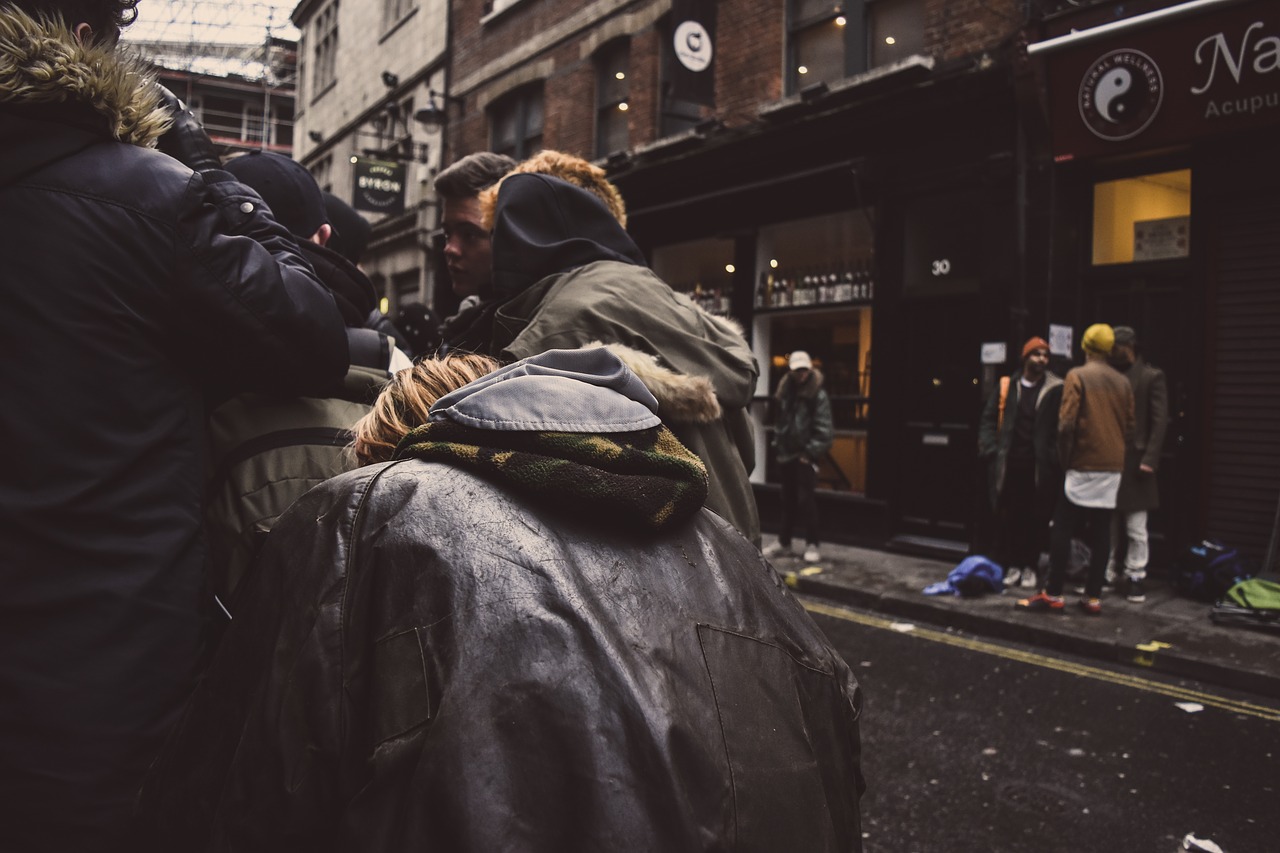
column 646, row 479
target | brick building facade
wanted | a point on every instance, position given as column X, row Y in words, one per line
column 882, row 183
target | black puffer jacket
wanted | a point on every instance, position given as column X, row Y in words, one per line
column 429, row 660
column 130, row 287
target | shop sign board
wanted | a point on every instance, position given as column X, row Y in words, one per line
column 378, row 185
column 1158, row 239
column 1167, row 82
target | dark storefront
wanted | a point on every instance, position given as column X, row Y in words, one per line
column 873, row 227
column 1165, row 215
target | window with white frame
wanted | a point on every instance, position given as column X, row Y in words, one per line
column 324, row 70
column 393, row 11
column 613, row 87
column 515, row 123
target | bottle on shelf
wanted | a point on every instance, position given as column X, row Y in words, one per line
column 844, row 289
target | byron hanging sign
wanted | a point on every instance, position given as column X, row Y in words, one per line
column 1166, row 82
column 377, row 185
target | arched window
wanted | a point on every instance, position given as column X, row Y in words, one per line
column 515, row 123
column 613, row 87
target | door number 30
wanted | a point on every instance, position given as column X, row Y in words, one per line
column 942, row 267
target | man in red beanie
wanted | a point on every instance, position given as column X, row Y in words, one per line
column 1017, row 438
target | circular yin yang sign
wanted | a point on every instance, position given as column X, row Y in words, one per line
column 692, row 45
column 1120, row 94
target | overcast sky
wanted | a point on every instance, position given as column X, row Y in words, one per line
column 202, row 21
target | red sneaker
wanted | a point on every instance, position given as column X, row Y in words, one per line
column 1091, row 606
column 1042, row 602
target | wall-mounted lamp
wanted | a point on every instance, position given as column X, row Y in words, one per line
column 390, row 80
column 433, row 114
column 315, row 136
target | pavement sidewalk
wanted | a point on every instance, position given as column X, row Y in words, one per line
column 1167, row 633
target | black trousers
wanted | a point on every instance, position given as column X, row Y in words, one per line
column 799, row 482
column 1022, row 521
column 1067, row 519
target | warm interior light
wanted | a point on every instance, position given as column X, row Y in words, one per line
column 620, row 75
column 355, row 159
column 773, row 263
column 384, row 305
column 729, row 268
column 622, row 107
column 841, row 21
column 890, row 40
column 803, row 69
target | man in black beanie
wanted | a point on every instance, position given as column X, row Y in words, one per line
column 267, row 451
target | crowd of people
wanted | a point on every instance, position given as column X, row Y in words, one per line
column 1075, row 457
column 271, row 584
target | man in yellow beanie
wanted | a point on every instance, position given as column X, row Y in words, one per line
column 1094, row 423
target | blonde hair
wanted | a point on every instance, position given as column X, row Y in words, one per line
column 566, row 167
column 407, row 399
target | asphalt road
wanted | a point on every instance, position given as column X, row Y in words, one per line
column 972, row 745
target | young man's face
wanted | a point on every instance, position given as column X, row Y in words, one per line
column 467, row 252
column 1035, row 364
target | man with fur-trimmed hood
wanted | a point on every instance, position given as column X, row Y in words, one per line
column 566, row 275
column 135, row 287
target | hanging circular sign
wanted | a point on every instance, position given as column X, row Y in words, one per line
column 692, row 45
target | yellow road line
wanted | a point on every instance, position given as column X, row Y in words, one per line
column 1033, row 659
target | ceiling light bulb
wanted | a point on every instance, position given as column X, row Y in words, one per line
column 620, row 75
column 729, row 268
column 622, row 107
column 803, row 69
column 773, row 263
column 890, row 40
column 841, row 21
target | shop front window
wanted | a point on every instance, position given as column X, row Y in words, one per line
column 815, row 286
column 701, row 269
column 1145, row 218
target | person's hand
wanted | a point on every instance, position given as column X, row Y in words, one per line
column 186, row 141
column 1146, row 469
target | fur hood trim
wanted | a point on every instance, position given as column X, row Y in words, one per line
column 808, row 389
column 681, row 399
column 41, row 62
column 566, row 167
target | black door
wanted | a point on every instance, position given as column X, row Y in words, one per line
column 941, row 401
column 1168, row 321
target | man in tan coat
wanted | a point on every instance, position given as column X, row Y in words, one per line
column 1094, row 424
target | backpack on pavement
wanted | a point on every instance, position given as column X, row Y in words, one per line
column 1254, row 602
column 1206, row 571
